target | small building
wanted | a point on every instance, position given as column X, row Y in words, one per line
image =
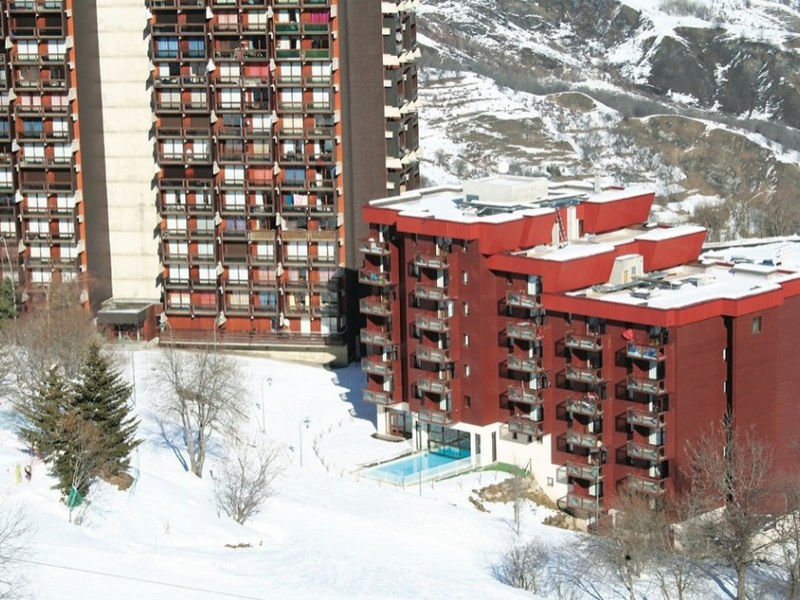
column 551, row 326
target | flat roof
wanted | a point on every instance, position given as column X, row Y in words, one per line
column 722, row 273
column 499, row 199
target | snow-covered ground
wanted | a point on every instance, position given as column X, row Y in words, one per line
column 326, row 533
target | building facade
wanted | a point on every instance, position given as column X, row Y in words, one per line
column 550, row 327
column 256, row 155
column 220, row 162
column 42, row 206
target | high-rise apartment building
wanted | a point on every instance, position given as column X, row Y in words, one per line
column 228, row 147
column 551, row 327
column 42, row 226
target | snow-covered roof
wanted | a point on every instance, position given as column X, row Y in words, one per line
column 497, row 199
column 725, row 273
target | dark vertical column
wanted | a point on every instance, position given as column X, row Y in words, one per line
column 363, row 141
column 93, row 165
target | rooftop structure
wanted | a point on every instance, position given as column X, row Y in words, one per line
column 552, row 325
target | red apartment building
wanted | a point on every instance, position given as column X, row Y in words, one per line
column 42, row 228
column 552, row 327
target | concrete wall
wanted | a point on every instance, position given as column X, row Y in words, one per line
column 129, row 163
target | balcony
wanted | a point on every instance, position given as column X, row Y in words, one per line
column 528, row 332
column 435, row 417
column 590, row 343
column 641, row 385
column 579, row 439
column 526, row 301
column 381, row 397
column 645, row 352
column 645, row 485
column 435, row 324
column 430, row 385
column 375, row 307
column 524, row 365
column 523, row 395
column 376, row 278
column 433, row 355
column 427, row 261
column 644, row 418
column 430, row 292
column 376, row 337
column 588, row 375
column 646, row 452
column 582, row 507
column 373, row 247
column 583, row 471
column 376, row 366
column 519, row 425
column 587, row 405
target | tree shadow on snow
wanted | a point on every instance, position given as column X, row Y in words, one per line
column 169, row 442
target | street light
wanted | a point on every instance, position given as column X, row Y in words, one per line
column 305, row 422
column 268, row 380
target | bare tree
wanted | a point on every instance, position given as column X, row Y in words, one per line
column 245, row 480
column 676, row 571
column 524, row 566
column 730, row 487
column 624, row 543
column 204, row 392
column 14, row 531
column 58, row 333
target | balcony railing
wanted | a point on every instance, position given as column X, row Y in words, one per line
column 645, row 351
column 520, row 300
column 524, row 426
column 588, row 405
column 433, row 355
column 580, row 506
column 429, row 261
column 435, row 417
column 648, row 452
column 381, row 397
column 375, row 307
column 583, row 471
column 645, row 418
column 524, row 331
column 376, row 366
column 584, row 374
column 434, row 386
column 525, row 365
column 436, row 324
column 376, row 337
column 523, row 395
column 373, row 247
column 577, row 341
column 377, row 278
column 642, row 385
column 583, row 439
column 645, row 485
column 429, row 292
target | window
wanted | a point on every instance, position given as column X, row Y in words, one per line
column 237, row 273
column 466, row 309
column 167, row 48
column 756, row 325
column 208, row 273
column 178, row 273
column 178, row 300
column 465, row 277
column 467, row 370
column 468, row 401
column 466, row 339
column 205, row 249
column 40, row 276
column 265, row 251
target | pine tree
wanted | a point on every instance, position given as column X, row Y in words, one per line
column 8, row 300
column 45, row 412
column 101, row 398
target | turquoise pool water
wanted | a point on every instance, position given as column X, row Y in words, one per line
column 415, row 464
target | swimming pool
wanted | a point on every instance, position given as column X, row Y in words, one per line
column 424, row 466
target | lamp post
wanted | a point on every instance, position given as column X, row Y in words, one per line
column 305, row 422
column 268, row 380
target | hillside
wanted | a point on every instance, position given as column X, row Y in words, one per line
column 700, row 98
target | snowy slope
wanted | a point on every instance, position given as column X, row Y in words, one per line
column 325, row 534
